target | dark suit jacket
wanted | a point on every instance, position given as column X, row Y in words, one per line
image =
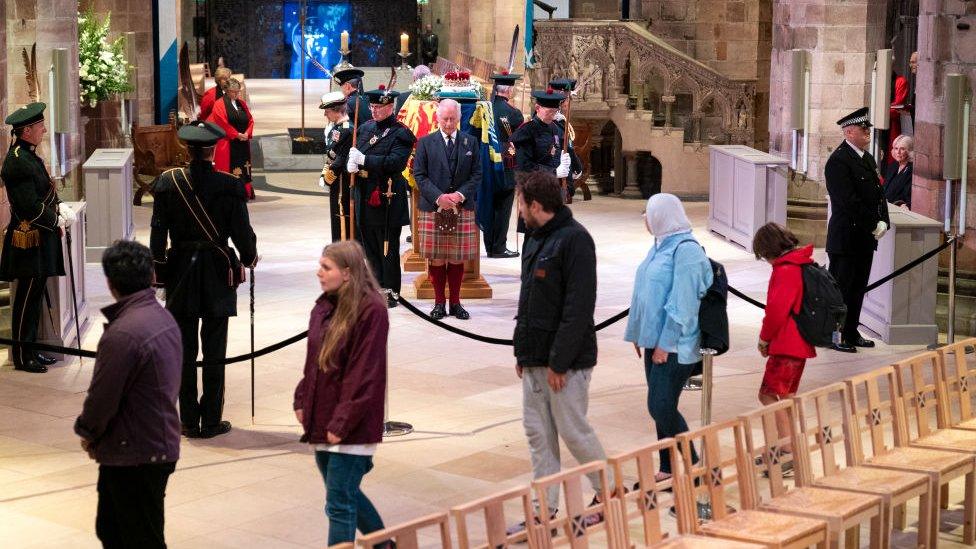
column 429, row 46
column 432, row 169
column 856, row 201
column 898, row 186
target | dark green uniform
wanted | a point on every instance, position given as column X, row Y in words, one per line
column 32, row 200
column 387, row 146
column 195, row 274
column 338, row 140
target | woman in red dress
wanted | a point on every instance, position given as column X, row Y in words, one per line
column 233, row 153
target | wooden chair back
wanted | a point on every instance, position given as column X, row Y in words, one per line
column 919, row 384
column 569, row 522
column 876, row 410
column 407, row 535
column 825, row 427
column 958, row 373
column 717, row 470
column 651, row 497
column 765, row 448
column 164, row 149
column 494, row 520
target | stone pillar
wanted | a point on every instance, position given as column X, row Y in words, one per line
column 842, row 38
column 631, row 190
column 668, row 101
column 946, row 44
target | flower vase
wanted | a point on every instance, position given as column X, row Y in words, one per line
column 103, row 125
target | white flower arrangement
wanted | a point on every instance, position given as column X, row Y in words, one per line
column 103, row 70
column 427, row 87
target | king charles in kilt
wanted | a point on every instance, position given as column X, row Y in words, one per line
column 447, row 168
column 338, row 141
column 383, row 147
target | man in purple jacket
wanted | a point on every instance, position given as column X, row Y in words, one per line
column 130, row 424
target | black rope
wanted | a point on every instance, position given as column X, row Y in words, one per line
column 746, row 298
column 911, row 265
column 484, row 339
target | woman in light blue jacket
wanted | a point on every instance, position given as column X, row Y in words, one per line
column 668, row 289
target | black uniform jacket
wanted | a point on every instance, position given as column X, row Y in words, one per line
column 387, row 146
column 856, row 201
column 554, row 325
column 33, row 199
column 432, row 169
column 507, row 120
column 193, row 270
column 338, row 141
column 898, row 186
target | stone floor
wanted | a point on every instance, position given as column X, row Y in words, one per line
column 258, row 486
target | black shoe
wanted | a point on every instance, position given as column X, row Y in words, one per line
column 45, row 360
column 221, row 428
column 189, row 431
column 844, row 348
column 458, row 312
column 438, row 311
column 862, row 342
column 508, row 254
column 31, row 366
column 409, row 239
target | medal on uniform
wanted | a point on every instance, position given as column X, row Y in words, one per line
column 373, row 140
column 335, row 135
column 552, row 151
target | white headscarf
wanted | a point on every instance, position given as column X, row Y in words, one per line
column 665, row 216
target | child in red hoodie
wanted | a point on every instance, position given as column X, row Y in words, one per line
column 779, row 339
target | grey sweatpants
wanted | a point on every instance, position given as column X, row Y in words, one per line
column 547, row 416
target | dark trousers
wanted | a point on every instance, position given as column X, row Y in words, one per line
column 664, row 383
column 851, row 271
column 339, row 190
column 385, row 267
column 346, row 505
column 208, row 410
column 496, row 239
column 130, row 505
column 26, row 319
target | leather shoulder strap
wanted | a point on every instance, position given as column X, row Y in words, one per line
column 193, row 205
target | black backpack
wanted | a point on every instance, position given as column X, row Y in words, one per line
column 822, row 311
column 713, row 316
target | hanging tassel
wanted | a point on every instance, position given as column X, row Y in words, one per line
column 374, row 198
column 24, row 237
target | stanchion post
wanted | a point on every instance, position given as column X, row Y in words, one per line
column 392, row 428
column 951, row 328
column 706, row 403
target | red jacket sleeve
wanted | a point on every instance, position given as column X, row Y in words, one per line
column 207, row 103
column 364, row 377
column 222, row 151
column 785, row 291
column 901, row 92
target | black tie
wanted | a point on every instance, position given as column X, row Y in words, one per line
column 450, row 147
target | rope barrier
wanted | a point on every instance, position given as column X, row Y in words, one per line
column 478, row 337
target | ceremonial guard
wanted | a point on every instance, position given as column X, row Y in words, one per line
column 199, row 209
column 338, row 141
column 507, row 120
column 858, row 219
column 32, row 249
column 383, row 146
column 350, row 82
column 539, row 142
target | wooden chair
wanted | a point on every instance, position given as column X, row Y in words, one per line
column 926, row 404
column 714, row 476
column 652, row 497
column 843, row 512
column 878, row 412
column 569, row 523
column 492, row 509
column 155, row 150
column 406, row 535
column 959, row 382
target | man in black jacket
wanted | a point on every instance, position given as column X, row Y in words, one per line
column 555, row 341
column 428, row 47
column 858, row 219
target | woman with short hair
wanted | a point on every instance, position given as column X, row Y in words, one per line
column 898, row 175
column 663, row 320
column 340, row 399
column 233, row 152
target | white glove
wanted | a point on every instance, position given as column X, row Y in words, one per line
column 321, row 182
column 356, row 159
column 559, row 116
column 66, row 216
column 880, row 230
column 563, row 169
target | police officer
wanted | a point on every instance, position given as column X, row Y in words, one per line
column 507, row 120
column 338, row 140
column 198, row 209
column 382, row 149
column 858, row 219
column 32, row 244
column 349, row 82
column 539, row 142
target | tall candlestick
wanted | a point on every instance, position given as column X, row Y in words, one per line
column 404, row 43
column 344, row 41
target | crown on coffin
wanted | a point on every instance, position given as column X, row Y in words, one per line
column 457, row 78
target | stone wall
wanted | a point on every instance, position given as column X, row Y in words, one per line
column 50, row 24
column 482, row 28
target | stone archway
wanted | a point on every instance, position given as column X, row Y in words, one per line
column 650, row 173
column 606, row 160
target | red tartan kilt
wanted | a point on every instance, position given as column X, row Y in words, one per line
column 461, row 245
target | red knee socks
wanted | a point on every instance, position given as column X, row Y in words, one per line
column 438, row 277
column 455, row 272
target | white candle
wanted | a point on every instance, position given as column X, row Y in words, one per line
column 344, row 41
column 404, row 43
